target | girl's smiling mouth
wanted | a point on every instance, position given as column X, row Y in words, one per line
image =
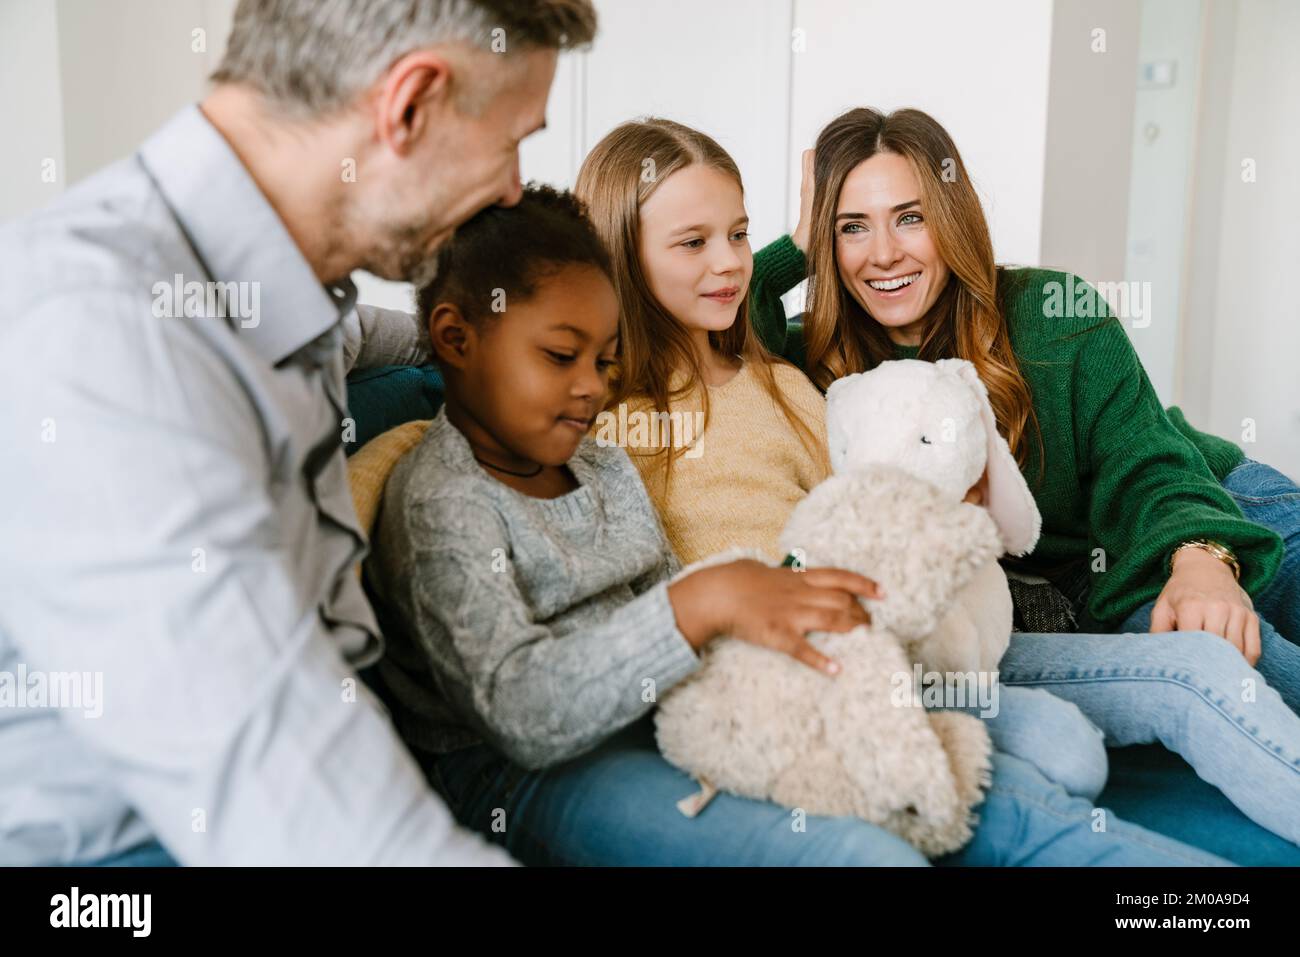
column 723, row 295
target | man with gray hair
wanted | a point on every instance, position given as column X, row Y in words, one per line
column 176, row 511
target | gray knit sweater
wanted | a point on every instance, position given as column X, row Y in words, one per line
column 541, row 626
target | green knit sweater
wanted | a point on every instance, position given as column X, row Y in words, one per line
column 1125, row 481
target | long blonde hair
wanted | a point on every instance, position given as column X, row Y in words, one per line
column 656, row 349
column 966, row 321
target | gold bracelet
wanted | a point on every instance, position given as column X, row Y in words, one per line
column 1218, row 550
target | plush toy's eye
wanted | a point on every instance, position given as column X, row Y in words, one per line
column 925, row 441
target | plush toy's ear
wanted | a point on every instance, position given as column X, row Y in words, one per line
column 1009, row 500
column 837, row 432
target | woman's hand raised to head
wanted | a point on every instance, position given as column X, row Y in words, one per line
column 772, row 607
column 803, row 231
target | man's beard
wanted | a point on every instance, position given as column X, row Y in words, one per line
column 404, row 255
column 420, row 269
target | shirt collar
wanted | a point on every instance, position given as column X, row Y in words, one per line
column 239, row 237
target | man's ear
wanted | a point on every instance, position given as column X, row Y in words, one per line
column 452, row 336
column 406, row 95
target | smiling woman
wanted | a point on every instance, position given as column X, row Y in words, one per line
column 892, row 199
column 1138, row 532
column 886, row 256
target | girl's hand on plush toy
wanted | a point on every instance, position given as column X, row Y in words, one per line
column 772, row 607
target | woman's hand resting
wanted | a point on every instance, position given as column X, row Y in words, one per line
column 1202, row 594
column 772, row 607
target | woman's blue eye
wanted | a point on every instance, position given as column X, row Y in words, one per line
column 742, row 234
column 902, row 220
column 850, row 226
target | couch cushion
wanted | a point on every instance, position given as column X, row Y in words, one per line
column 381, row 398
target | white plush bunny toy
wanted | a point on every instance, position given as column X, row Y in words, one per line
column 933, row 421
column 907, row 440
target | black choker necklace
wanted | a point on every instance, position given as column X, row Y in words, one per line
column 508, row 471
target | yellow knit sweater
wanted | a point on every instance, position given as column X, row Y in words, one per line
column 369, row 468
column 738, row 486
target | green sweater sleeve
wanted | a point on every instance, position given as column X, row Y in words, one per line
column 1221, row 455
column 1151, row 489
column 778, row 267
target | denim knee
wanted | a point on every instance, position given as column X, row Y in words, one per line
column 1202, row 658
column 1079, row 764
column 1055, row 736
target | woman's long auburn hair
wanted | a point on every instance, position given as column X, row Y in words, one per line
column 966, row 321
column 657, row 357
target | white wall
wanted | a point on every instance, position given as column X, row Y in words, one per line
column 31, row 114
column 1089, row 137
column 1195, row 366
column 136, row 52
column 1160, row 186
column 1255, row 375
column 85, row 81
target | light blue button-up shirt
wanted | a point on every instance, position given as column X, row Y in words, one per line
column 180, row 616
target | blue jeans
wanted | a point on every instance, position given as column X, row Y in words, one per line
column 1269, row 498
column 616, row 805
column 1194, row 693
column 1050, row 733
column 149, row 854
